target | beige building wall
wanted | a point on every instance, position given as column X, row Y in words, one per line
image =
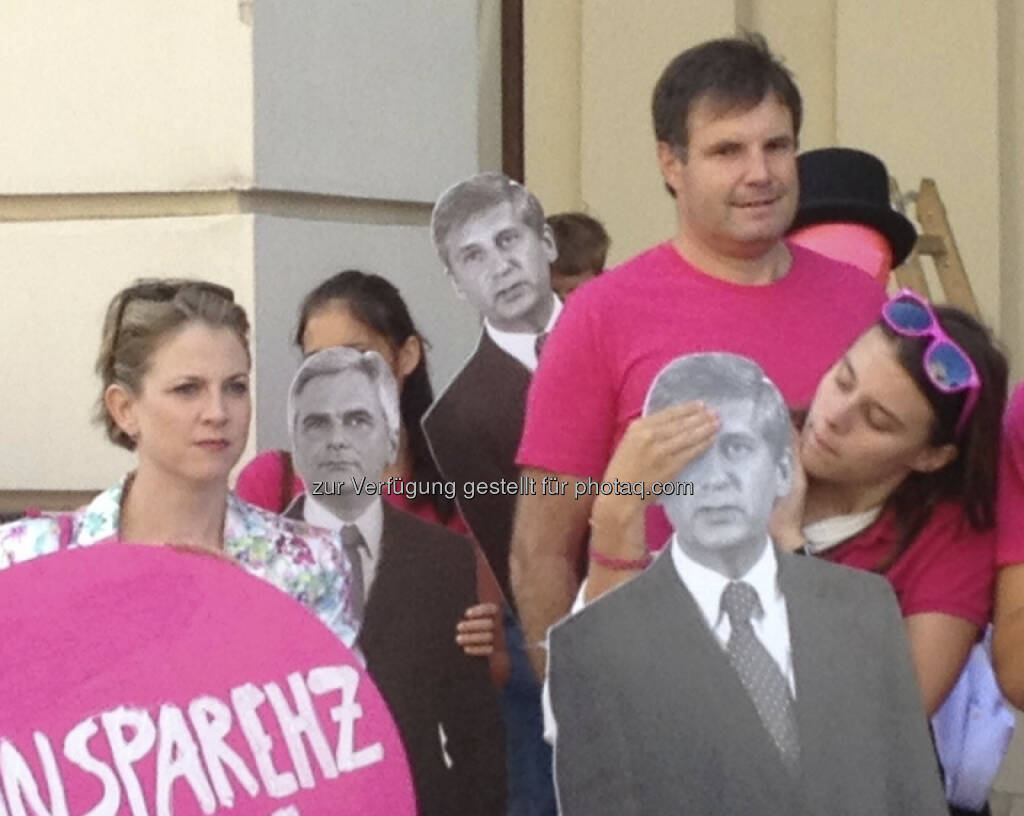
column 920, row 89
column 804, row 33
column 233, row 141
column 931, row 87
column 58, row 278
column 623, row 54
column 1010, row 24
column 125, row 96
column 552, row 39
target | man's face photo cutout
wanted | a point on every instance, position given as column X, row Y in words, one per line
column 491, row 234
column 724, row 524
column 343, row 420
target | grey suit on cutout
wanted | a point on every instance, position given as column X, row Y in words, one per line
column 653, row 719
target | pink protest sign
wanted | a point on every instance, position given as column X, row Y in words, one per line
column 146, row 681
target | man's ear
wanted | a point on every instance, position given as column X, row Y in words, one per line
column 547, row 239
column 934, row 458
column 120, row 403
column 455, row 284
column 671, row 165
column 393, row 443
column 784, row 473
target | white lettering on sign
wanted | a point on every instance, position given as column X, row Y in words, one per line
column 346, row 680
column 76, row 749
column 191, row 751
column 20, row 786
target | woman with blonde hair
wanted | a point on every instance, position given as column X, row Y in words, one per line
column 174, row 366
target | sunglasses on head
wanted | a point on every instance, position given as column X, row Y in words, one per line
column 161, row 291
column 946, row 364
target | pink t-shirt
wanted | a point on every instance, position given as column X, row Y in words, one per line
column 618, row 332
column 949, row 567
column 1010, row 507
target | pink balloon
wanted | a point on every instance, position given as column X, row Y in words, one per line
column 139, row 679
column 856, row 244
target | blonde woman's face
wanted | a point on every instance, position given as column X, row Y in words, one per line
column 191, row 415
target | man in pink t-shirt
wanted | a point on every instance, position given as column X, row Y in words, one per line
column 726, row 119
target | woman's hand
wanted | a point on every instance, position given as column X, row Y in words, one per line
column 475, row 632
column 655, row 448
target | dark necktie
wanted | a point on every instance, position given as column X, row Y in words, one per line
column 352, row 542
column 538, row 344
column 759, row 673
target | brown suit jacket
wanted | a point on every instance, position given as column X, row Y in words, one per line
column 473, row 429
column 425, row 580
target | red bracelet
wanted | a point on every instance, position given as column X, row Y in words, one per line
column 608, row 562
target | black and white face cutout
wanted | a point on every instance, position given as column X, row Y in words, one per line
column 723, row 524
column 499, row 260
column 343, row 417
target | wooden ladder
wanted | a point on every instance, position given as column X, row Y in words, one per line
column 937, row 242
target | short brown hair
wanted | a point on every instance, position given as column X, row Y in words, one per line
column 582, row 243
column 144, row 315
column 734, row 73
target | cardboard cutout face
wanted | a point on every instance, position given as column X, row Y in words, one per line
column 341, row 433
column 499, row 260
column 723, row 524
column 502, row 267
column 736, row 483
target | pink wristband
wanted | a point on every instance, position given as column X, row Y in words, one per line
column 608, row 562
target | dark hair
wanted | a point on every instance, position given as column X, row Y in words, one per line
column 375, row 301
column 735, row 73
column 719, row 377
column 971, row 477
column 474, row 196
column 581, row 241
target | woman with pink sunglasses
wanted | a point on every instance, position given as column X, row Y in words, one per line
column 900, row 447
column 896, row 473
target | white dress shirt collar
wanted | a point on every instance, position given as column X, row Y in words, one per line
column 370, row 524
column 771, row 627
column 522, row 345
column 706, row 585
column 825, row 534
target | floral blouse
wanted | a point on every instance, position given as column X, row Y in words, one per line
column 305, row 562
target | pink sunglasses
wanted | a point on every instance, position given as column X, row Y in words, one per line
column 947, row 365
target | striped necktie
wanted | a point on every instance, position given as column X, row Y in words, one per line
column 759, row 673
column 352, row 542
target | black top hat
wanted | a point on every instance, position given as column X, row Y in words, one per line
column 841, row 184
